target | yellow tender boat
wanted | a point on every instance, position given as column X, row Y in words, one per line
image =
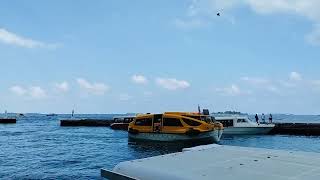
column 174, row 126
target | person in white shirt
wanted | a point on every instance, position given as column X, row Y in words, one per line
column 263, row 118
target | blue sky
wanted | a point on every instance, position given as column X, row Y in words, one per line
column 153, row 56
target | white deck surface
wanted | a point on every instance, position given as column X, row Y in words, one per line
column 225, row 163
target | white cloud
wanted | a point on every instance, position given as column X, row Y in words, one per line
column 62, row 87
column 255, row 80
column 310, row 9
column 314, row 36
column 147, row 93
column 94, row 88
column 294, row 76
column 262, row 83
column 315, row 84
column 37, row 92
column 172, row 84
column 233, row 90
column 14, row 39
column 306, row 8
column 125, row 97
column 190, row 23
column 18, row 90
column 273, row 89
column 287, row 84
column 139, row 79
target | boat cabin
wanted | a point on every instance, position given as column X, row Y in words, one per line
column 194, row 115
column 168, row 123
column 234, row 121
column 122, row 122
column 123, row 119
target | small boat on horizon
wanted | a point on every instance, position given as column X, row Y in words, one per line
column 242, row 125
column 174, row 126
column 52, row 114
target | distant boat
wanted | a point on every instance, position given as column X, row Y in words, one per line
column 51, row 114
column 20, row 114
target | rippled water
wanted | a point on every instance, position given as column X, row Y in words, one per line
column 38, row 148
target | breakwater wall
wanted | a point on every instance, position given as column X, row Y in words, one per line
column 309, row 129
column 7, row 120
column 85, row 122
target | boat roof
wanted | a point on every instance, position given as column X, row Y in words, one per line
column 186, row 113
column 229, row 117
column 125, row 116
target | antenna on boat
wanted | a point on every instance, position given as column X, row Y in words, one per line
column 199, row 110
column 5, row 114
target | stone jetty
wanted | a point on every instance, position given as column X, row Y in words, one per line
column 7, row 120
column 310, row 129
column 85, row 122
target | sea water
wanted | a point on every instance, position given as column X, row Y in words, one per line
column 37, row 147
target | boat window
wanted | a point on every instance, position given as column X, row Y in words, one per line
column 144, row 122
column 117, row 120
column 128, row 120
column 191, row 122
column 196, row 117
column 226, row 122
column 172, row 122
column 241, row 120
column 157, row 118
column 206, row 119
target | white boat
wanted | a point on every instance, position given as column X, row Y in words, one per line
column 122, row 122
column 241, row 125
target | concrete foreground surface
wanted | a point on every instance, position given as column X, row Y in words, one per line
column 222, row 163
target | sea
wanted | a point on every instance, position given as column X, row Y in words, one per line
column 37, row 147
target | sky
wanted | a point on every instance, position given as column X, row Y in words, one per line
column 119, row 56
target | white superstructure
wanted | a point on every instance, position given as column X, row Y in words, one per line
column 242, row 125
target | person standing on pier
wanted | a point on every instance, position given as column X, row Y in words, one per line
column 263, row 118
column 257, row 118
column 270, row 118
column 72, row 113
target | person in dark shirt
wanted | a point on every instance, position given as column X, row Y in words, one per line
column 270, row 118
column 257, row 118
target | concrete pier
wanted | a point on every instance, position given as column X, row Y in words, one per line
column 221, row 162
column 7, row 120
column 85, row 122
column 297, row 129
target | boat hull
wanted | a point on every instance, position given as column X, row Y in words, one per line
column 119, row 126
column 246, row 130
column 167, row 137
